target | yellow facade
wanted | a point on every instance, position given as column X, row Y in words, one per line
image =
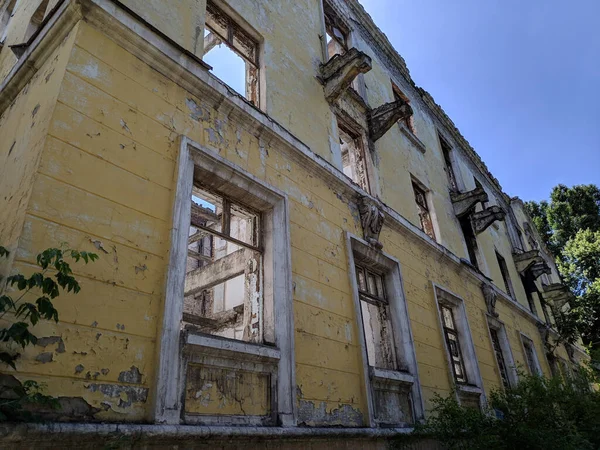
column 89, row 149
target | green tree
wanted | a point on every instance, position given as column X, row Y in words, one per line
column 32, row 304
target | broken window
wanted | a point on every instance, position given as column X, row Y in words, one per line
column 376, row 319
column 446, row 149
column 6, row 12
column 423, row 208
column 500, row 358
column 353, row 157
column 530, row 288
column 453, row 344
column 470, row 239
column 479, row 185
column 530, row 356
column 223, row 287
column 505, row 275
column 407, row 121
column 232, row 53
column 337, row 32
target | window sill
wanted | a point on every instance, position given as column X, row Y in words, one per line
column 225, row 347
column 391, row 376
column 412, row 138
column 469, row 389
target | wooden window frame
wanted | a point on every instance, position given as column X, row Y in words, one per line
column 451, row 331
column 424, row 210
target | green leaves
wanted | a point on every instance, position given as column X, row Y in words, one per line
column 18, row 333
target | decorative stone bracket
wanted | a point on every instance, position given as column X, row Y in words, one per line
column 557, row 294
column 371, row 219
column 540, row 268
column 490, row 296
column 526, row 260
column 483, row 219
column 381, row 119
column 339, row 72
column 465, row 202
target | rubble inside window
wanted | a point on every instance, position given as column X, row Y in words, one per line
column 337, row 33
column 232, row 53
column 377, row 324
column 223, row 287
column 423, row 207
column 353, row 157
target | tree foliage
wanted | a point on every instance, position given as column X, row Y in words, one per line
column 32, row 304
column 539, row 413
column 570, row 225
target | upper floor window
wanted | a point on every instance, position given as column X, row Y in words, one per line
column 446, row 150
column 423, row 208
column 453, row 343
column 408, row 122
column 36, row 20
column 470, row 239
column 337, row 32
column 531, row 358
column 354, row 163
column 232, row 52
column 500, row 358
column 505, row 275
column 479, row 185
column 6, row 12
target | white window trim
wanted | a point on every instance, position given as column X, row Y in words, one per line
column 509, row 360
column 170, row 372
column 467, row 346
column 403, row 338
column 537, row 370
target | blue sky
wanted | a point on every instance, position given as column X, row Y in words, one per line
column 519, row 78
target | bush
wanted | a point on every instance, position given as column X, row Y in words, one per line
column 538, row 413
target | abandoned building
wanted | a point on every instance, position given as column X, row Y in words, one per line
column 311, row 256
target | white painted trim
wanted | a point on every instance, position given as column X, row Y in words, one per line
column 402, row 331
column 526, row 339
column 509, row 360
column 393, row 375
column 252, row 351
column 467, row 346
column 193, row 157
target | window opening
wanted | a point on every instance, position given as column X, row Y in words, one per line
column 407, row 121
column 36, row 20
column 520, row 237
column 337, row 33
column 500, row 358
column 530, row 288
column 423, row 207
column 453, row 343
column 223, row 288
column 470, row 239
column 232, row 53
column 377, row 323
column 446, row 149
column 479, row 185
column 7, row 13
column 530, row 357
column 353, row 157
column 504, row 272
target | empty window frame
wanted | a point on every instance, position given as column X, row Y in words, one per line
column 223, row 293
column 502, row 368
column 426, row 223
column 237, row 63
column 353, row 156
column 394, row 394
column 376, row 319
column 505, row 276
column 470, row 239
column 533, row 364
column 453, row 344
column 408, row 122
column 446, row 150
column 460, row 349
column 530, row 288
column 480, row 186
column 336, row 32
